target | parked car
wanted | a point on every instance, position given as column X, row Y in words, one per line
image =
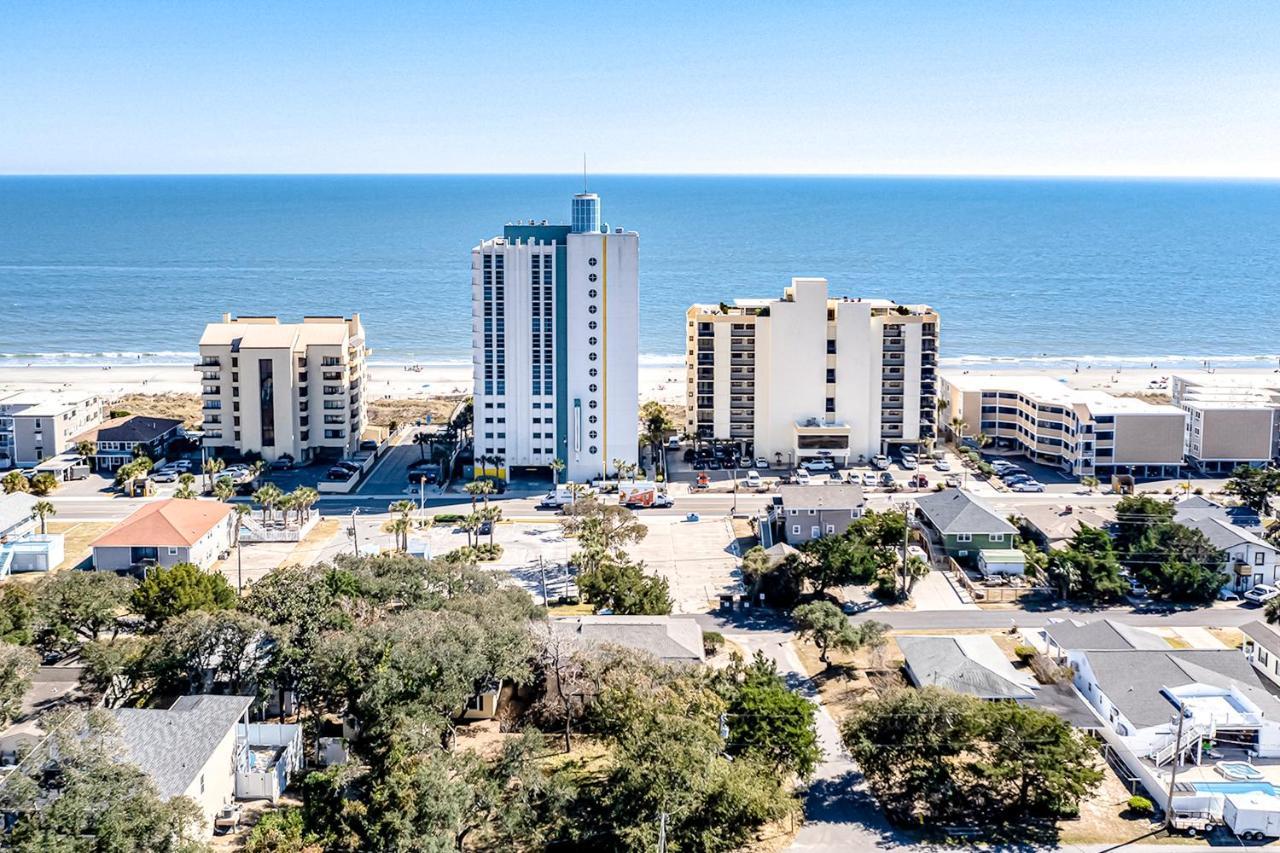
column 942, row 465
column 803, row 478
column 753, row 479
column 880, row 461
column 713, row 464
column 869, row 478
column 762, row 463
column 813, row 466
column 1226, row 594
column 909, row 463
column 919, row 481
column 183, row 465
column 953, row 481
column 350, row 466
column 284, row 463
column 164, row 475
column 1027, row 486
column 369, row 444
column 486, row 527
column 1261, row 594
column 886, row 479
column 673, row 442
column 339, row 473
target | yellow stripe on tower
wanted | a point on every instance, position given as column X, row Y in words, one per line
column 604, row 351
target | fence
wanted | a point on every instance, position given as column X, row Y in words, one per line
column 984, row 594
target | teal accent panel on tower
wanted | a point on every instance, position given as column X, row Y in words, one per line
column 562, row 351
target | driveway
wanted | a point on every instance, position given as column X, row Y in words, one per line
column 839, row 813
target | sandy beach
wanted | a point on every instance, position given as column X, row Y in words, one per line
column 392, row 382
column 657, row 382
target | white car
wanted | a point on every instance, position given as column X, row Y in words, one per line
column 909, row 463
column 803, row 478
column 753, row 479
column 815, row 465
column 868, row 478
column 942, row 465
column 164, row 475
column 880, row 461
column 762, row 463
column 1031, row 486
column 1261, row 594
column 182, row 465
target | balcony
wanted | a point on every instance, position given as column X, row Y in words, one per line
column 210, row 405
column 211, row 389
column 207, row 362
column 211, row 376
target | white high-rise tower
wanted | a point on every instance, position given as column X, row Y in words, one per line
column 555, row 314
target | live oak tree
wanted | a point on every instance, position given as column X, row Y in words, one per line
column 622, row 587
column 168, row 591
column 17, row 665
column 933, row 756
column 72, row 608
column 1088, row 569
column 767, row 720
column 828, row 628
column 1255, row 487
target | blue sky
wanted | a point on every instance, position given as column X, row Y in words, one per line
column 1075, row 88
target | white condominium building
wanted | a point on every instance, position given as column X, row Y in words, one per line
column 38, row 425
column 555, row 312
column 809, row 374
column 1232, row 418
column 284, row 389
column 1083, row 432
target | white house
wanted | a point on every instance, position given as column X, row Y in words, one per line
column 1247, row 558
column 165, row 533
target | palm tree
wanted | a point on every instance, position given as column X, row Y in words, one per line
column 423, row 440
column 470, row 525
column 212, row 466
column 557, row 468
column 184, row 492
column 240, row 510
column 285, row 504
column 304, row 498
column 399, row 526
column 982, row 439
column 957, row 429
column 267, row 496
column 87, row 449
column 473, row 489
column 224, row 490
column 492, row 515
column 42, row 510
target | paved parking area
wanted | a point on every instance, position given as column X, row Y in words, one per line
column 696, row 558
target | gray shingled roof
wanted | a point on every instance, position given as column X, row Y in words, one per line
column 171, row 746
column 1104, row 635
column 1264, row 635
column 956, row 511
column 1223, row 534
column 1132, row 680
column 667, row 639
column 833, row 496
column 940, row 661
column 15, row 509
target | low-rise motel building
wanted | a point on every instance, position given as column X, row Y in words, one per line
column 1232, row 419
column 284, row 389
column 1081, row 432
column 806, row 374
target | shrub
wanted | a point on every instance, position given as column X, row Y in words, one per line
column 1168, row 491
column 484, row 552
column 1025, row 652
column 985, row 469
column 712, row 642
column 1197, row 491
column 1141, row 805
column 448, row 518
column 119, row 413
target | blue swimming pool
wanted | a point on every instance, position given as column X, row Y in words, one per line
column 1234, row 787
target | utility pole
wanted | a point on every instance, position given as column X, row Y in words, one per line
column 1173, row 774
column 542, row 570
column 355, row 533
column 662, row 832
column 239, row 574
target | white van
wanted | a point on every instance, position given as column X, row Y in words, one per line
column 803, row 478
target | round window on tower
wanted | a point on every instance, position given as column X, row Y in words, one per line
column 593, row 435
column 594, row 450
column 592, row 388
column 592, row 293
column 592, row 341
column 592, row 372
column 593, row 404
column 592, row 419
column 592, row 261
column 592, row 277
column 591, row 309
column 591, row 356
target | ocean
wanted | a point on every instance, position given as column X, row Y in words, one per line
column 108, row 270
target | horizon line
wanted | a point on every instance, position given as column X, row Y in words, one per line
column 1079, row 176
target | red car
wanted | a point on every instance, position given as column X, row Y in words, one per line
column 919, row 481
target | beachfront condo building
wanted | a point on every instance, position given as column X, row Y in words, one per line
column 810, row 375
column 38, row 425
column 1232, row 419
column 283, row 389
column 555, row 311
column 1082, row 432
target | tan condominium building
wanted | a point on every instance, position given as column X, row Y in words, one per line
column 1083, row 432
column 284, row 389
column 39, row 425
column 809, row 375
column 1232, row 419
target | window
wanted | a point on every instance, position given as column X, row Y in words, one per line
column 831, row 404
column 591, row 309
column 831, row 346
column 266, row 402
column 831, row 528
column 592, row 262
column 831, row 375
column 795, row 529
column 997, row 537
column 1260, row 558
column 962, row 553
column 966, row 537
column 173, row 552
